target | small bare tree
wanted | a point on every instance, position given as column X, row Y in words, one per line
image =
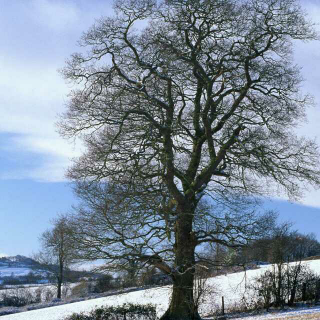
column 57, row 251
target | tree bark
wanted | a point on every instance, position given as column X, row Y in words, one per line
column 182, row 304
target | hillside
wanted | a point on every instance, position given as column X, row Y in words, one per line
column 231, row 286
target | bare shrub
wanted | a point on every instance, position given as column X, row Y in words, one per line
column 48, row 294
column 286, row 284
column 19, row 297
column 203, row 290
column 81, row 290
column 38, row 294
column 66, row 290
column 103, row 284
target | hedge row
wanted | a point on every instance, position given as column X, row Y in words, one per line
column 124, row 312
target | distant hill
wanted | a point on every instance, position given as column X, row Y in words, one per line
column 18, row 261
column 19, row 266
column 20, row 269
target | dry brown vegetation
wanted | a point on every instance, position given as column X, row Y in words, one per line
column 304, row 316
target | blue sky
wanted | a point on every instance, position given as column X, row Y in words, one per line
column 26, row 208
column 37, row 36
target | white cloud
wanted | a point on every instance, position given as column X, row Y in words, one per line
column 31, row 102
column 54, row 146
column 50, row 170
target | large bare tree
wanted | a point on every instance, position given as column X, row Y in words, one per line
column 191, row 97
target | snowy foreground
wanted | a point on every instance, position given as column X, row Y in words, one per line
column 232, row 287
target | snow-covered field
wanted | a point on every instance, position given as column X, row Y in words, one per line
column 16, row 272
column 20, row 272
column 232, row 287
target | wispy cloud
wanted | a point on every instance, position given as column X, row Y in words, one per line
column 34, row 45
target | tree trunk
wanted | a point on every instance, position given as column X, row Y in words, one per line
column 182, row 304
column 279, row 289
column 292, row 296
column 304, row 291
column 294, row 289
column 59, row 289
column 60, row 280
